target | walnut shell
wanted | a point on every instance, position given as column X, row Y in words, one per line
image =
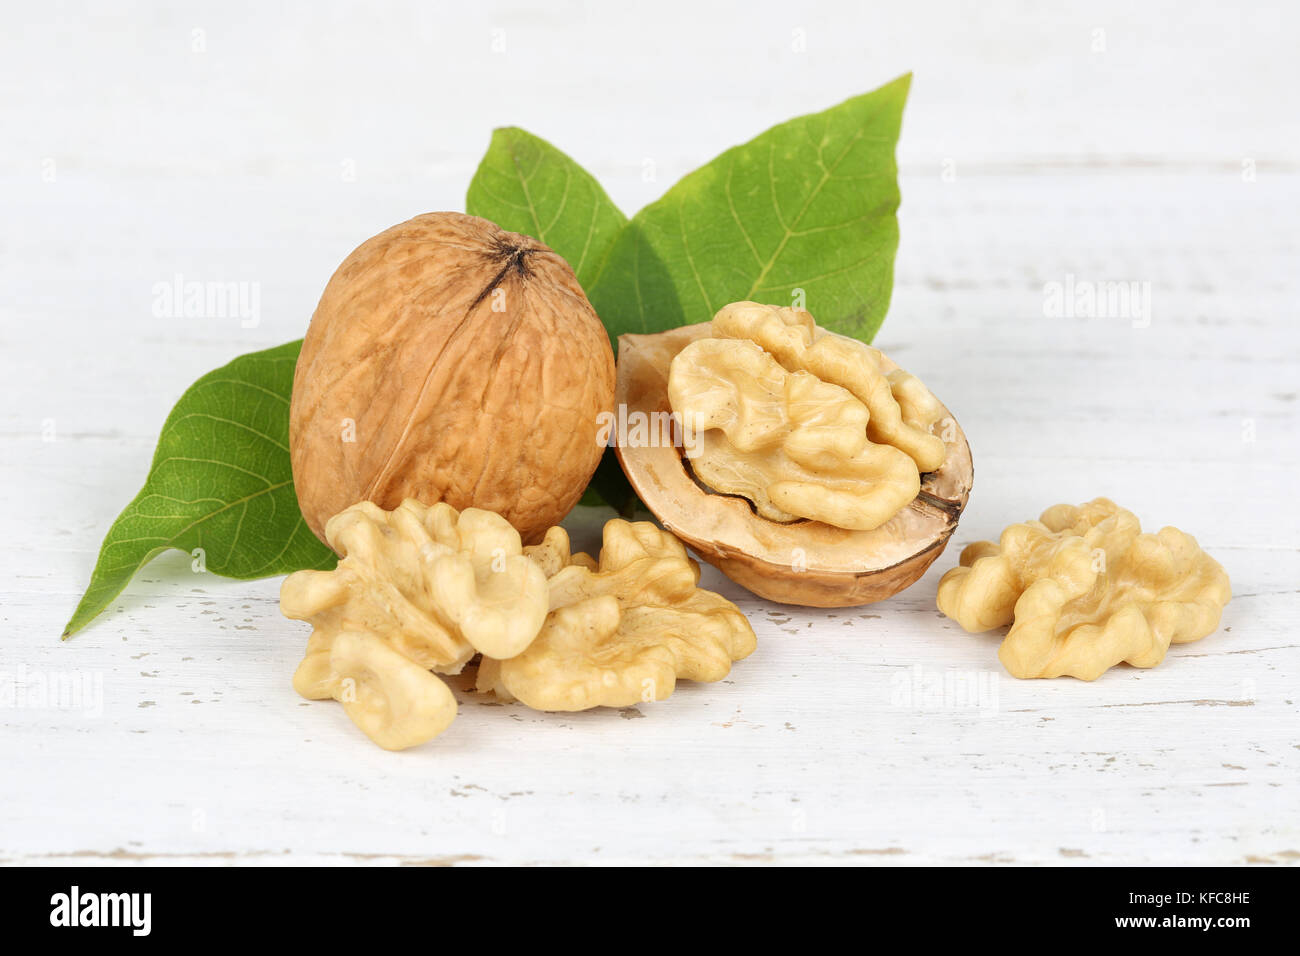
column 805, row 562
column 450, row 360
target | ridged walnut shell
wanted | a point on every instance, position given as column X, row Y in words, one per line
column 450, row 360
column 804, row 562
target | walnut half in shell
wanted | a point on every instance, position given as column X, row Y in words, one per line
column 805, row 562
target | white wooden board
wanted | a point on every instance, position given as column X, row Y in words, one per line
column 877, row 735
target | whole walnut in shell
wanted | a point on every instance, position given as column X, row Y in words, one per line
column 450, row 360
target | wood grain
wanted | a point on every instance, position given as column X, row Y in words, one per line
column 882, row 735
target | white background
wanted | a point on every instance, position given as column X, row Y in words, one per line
column 1100, row 141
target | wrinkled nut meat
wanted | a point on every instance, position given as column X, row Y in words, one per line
column 424, row 588
column 439, row 585
column 450, row 360
column 809, row 468
column 553, row 553
column 394, row 700
column 433, row 586
column 1084, row 590
column 624, row 631
column 902, row 410
column 795, row 446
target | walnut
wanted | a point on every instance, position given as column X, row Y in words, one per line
column 1084, row 590
column 792, row 444
column 625, row 631
column 431, row 585
column 553, row 553
column 902, row 410
column 449, row 360
column 394, row 700
column 437, row 584
column 424, row 588
column 809, row 467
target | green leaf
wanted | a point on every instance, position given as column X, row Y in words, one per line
column 808, row 205
column 220, row 481
column 526, row 185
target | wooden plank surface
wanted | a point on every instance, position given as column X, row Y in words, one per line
column 876, row 735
